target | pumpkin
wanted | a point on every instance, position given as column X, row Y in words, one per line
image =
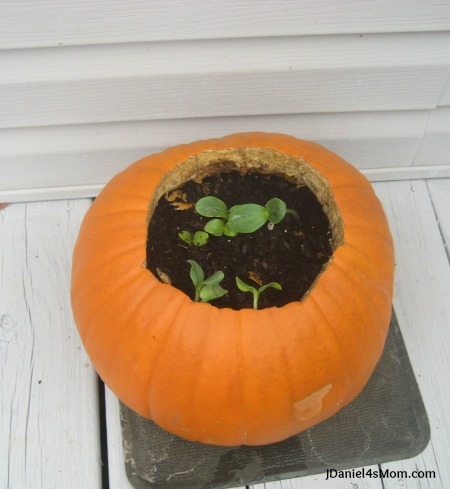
column 223, row 376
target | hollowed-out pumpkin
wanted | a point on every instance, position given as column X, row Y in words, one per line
column 224, row 376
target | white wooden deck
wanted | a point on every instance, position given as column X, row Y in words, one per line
column 49, row 411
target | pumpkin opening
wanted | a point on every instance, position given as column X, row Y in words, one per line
column 296, row 252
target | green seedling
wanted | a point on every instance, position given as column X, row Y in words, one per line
column 256, row 292
column 247, row 218
column 212, row 207
column 243, row 218
column 200, row 238
column 206, row 289
column 217, row 227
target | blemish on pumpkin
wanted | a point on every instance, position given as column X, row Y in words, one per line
column 311, row 406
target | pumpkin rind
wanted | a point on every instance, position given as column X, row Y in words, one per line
column 223, row 376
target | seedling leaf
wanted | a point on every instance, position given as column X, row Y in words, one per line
column 197, row 275
column 256, row 292
column 229, row 232
column 244, row 287
column 211, row 291
column 186, row 237
column 215, row 227
column 247, row 218
column 211, row 207
column 200, row 238
column 276, row 209
column 274, row 285
column 216, row 278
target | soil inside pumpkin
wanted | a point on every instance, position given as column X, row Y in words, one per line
column 293, row 253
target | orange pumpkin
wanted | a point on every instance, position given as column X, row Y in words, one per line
column 223, row 376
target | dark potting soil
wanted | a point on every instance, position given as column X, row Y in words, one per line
column 292, row 253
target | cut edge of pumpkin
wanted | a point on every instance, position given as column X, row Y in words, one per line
column 260, row 160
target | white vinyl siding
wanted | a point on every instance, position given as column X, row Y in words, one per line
column 38, row 23
column 86, row 90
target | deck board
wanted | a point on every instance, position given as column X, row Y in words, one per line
column 49, row 408
column 117, row 476
column 440, row 197
column 421, row 300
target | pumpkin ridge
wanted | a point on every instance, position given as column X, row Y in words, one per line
column 384, row 274
column 158, row 357
column 355, row 243
column 362, row 275
column 117, row 224
column 103, row 263
column 136, row 310
column 282, row 349
column 369, row 229
column 241, row 376
column 368, row 278
column 101, row 216
column 369, row 282
column 372, row 302
column 111, row 295
column 340, row 186
column 335, row 336
column 200, row 368
column 355, row 249
column 359, row 250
